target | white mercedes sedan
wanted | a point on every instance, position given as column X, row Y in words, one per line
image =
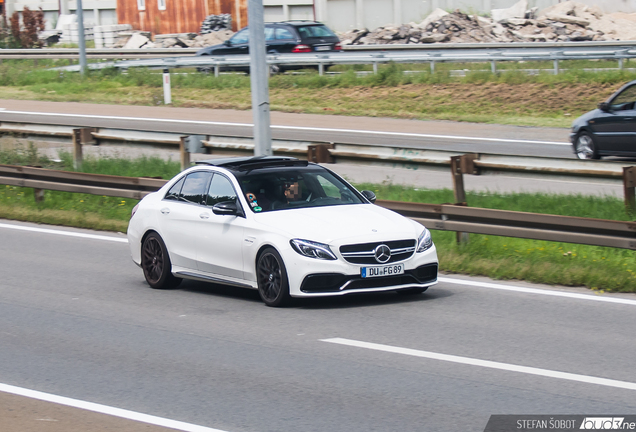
column 283, row 226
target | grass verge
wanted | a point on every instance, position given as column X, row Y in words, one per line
column 537, row 261
column 508, row 97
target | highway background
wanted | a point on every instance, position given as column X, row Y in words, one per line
column 78, row 320
column 416, row 134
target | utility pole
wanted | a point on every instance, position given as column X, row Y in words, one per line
column 80, row 37
column 259, row 77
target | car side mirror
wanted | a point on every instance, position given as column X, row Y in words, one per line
column 228, row 208
column 369, row 195
column 227, row 43
column 604, row 106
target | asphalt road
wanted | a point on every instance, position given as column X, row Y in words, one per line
column 438, row 135
column 77, row 320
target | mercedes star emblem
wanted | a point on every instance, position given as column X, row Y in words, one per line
column 382, row 253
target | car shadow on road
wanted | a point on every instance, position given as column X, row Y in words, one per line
column 357, row 300
column 220, row 290
column 352, row 300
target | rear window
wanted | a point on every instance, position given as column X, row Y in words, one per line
column 315, row 31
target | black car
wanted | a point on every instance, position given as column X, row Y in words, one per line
column 281, row 37
column 609, row 130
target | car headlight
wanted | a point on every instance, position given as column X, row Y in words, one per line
column 425, row 241
column 312, row 249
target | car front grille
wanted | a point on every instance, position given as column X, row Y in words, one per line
column 364, row 253
column 334, row 282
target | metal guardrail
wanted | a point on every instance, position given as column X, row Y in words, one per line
column 371, row 54
column 93, row 53
column 65, row 181
column 102, row 53
column 445, row 217
column 323, row 60
column 337, row 152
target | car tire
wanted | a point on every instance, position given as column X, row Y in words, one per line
column 411, row 291
column 271, row 276
column 585, row 148
column 156, row 264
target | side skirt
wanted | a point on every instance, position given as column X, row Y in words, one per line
column 205, row 278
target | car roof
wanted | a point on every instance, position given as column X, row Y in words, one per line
column 296, row 23
column 253, row 162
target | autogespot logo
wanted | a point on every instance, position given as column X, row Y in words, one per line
column 605, row 423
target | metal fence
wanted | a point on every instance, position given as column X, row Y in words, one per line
column 445, row 217
column 368, row 55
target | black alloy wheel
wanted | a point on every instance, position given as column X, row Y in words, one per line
column 271, row 276
column 155, row 263
column 585, row 147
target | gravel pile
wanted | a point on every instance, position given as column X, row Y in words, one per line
column 568, row 21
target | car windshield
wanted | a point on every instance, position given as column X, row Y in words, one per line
column 284, row 188
column 315, row 31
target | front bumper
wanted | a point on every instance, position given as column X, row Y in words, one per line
column 422, row 276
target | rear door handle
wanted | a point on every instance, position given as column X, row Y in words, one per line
column 165, row 210
column 204, row 215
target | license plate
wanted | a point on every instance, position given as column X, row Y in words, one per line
column 379, row 271
column 323, row 48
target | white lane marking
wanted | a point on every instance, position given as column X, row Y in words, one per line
column 589, row 297
column 64, row 233
column 546, row 292
column 201, row 122
column 104, row 409
column 485, row 363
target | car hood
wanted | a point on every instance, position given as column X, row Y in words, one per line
column 343, row 223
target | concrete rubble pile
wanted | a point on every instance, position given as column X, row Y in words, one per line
column 567, row 21
column 139, row 39
column 213, row 23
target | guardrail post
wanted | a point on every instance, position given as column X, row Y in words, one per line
column 167, row 91
column 460, row 193
column 432, row 66
column 458, row 180
column 77, row 149
column 185, row 154
column 38, row 194
column 629, row 186
column 493, row 67
column 319, row 153
column 556, row 66
column 460, row 165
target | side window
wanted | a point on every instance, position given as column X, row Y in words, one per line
column 625, row 100
column 283, row 33
column 220, row 190
column 161, row 4
column 194, row 187
column 175, row 190
column 269, row 33
column 241, row 37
